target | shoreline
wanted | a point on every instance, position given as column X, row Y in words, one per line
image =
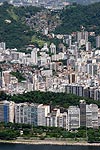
column 49, row 142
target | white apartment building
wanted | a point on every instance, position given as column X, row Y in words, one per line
column 42, row 112
column 92, row 69
column 57, row 119
column 62, row 120
column 98, row 41
column 92, row 116
column 11, row 111
column 17, row 55
column 73, row 117
column 53, row 48
column 26, row 113
column 34, row 58
column 82, row 37
column 88, row 46
column 99, row 117
column 53, row 119
column 2, row 45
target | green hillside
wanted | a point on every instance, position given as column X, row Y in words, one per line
column 13, row 29
column 75, row 16
column 15, row 32
column 56, row 99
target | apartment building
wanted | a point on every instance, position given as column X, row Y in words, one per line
column 42, row 112
column 6, row 111
column 73, row 117
column 26, row 113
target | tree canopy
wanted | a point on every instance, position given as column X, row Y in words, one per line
column 56, row 99
column 75, row 16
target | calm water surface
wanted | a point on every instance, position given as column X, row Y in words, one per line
column 45, row 147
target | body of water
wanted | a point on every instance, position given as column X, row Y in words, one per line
column 45, row 147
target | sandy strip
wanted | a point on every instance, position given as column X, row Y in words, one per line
column 48, row 142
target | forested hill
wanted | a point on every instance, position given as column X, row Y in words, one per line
column 15, row 32
column 56, row 99
column 78, row 15
column 13, row 29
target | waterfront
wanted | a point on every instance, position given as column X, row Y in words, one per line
column 6, row 146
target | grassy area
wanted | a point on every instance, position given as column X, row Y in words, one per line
column 12, row 14
column 37, row 41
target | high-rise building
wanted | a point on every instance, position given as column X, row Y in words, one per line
column 6, row 111
column 92, row 116
column 98, row 41
column 53, row 119
column 6, row 76
column 72, row 78
column 34, row 56
column 62, row 120
column 82, row 37
column 99, row 117
column 53, row 48
column 94, row 109
column 73, row 117
column 67, row 39
column 88, row 46
column 26, row 113
column 75, row 89
column 92, row 69
column 42, row 112
column 97, row 94
column 82, row 113
column 0, row 78
column 3, row 45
